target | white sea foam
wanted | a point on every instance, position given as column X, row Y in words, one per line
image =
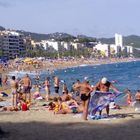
column 22, row 73
column 83, row 65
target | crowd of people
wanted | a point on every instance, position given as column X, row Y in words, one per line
column 65, row 101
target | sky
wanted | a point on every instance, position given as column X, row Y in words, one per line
column 96, row 18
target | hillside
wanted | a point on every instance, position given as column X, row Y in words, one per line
column 2, row 28
column 132, row 40
column 39, row 37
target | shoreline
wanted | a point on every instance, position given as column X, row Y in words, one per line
column 93, row 62
column 60, row 64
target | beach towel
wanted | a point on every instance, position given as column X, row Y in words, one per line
column 3, row 94
column 5, row 103
column 99, row 101
column 136, row 105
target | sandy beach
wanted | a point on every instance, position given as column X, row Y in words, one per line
column 39, row 124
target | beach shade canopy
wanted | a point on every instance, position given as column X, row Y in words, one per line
column 28, row 61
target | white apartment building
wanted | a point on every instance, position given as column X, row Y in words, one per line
column 43, row 43
column 118, row 40
column 77, row 46
column 66, row 45
column 114, row 49
column 51, row 43
column 104, row 48
column 129, row 49
column 60, row 46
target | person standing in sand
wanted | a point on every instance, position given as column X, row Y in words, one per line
column 76, row 92
column 129, row 96
column 104, row 86
column 5, row 81
column 14, row 87
column 64, row 88
column 27, row 84
column 56, row 84
column 0, row 79
column 47, row 88
column 85, row 89
column 136, row 103
column 137, row 96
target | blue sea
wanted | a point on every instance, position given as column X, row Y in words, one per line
column 125, row 75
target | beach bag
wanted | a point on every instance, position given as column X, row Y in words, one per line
column 24, row 107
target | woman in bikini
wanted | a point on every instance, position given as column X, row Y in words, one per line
column 47, row 88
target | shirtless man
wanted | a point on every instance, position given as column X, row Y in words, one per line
column 76, row 92
column 56, row 84
column 104, row 85
column 85, row 90
column 27, row 84
column 14, row 87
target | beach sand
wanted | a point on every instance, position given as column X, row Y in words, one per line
column 41, row 124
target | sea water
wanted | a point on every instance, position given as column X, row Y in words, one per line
column 123, row 75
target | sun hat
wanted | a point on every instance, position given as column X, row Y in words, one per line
column 104, row 80
column 86, row 79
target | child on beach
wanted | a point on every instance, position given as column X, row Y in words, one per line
column 136, row 103
column 129, row 97
column 37, row 94
column 51, row 106
column 64, row 89
column 24, row 105
column 137, row 96
column 5, row 80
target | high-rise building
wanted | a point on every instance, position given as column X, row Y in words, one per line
column 118, row 40
column 12, row 44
